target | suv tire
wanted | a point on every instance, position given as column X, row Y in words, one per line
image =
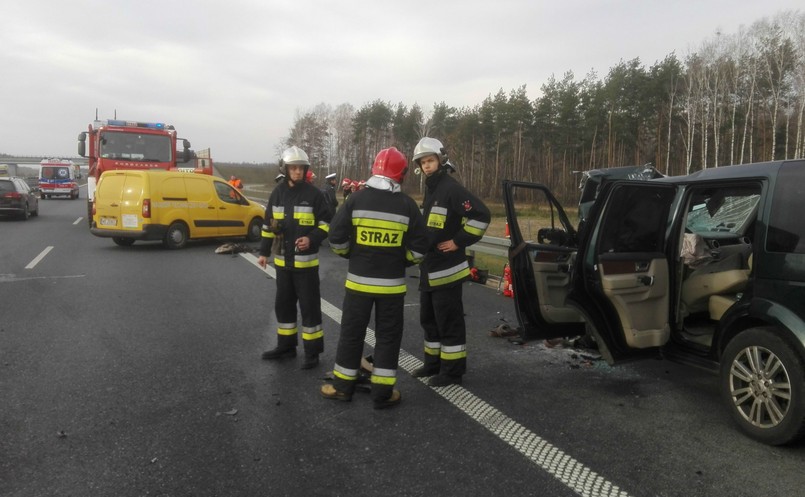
column 763, row 386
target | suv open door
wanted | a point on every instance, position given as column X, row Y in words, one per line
column 543, row 251
column 612, row 280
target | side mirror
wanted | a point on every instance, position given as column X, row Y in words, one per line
column 82, row 144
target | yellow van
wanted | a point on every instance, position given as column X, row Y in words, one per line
column 171, row 206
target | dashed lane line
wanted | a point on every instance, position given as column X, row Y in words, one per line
column 39, row 258
column 536, row 449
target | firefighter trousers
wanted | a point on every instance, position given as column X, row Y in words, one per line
column 301, row 287
column 442, row 318
column 389, row 321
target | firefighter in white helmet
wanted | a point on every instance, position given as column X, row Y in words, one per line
column 296, row 222
column 381, row 231
column 455, row 219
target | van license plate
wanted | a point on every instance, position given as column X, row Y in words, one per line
column 108, row 221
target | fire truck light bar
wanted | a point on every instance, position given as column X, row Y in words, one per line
column 134, row 124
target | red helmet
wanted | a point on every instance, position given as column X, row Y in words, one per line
column 390, row 163
column 361, row 184
column 310, row 176
column 355, row 185
column 346, row 182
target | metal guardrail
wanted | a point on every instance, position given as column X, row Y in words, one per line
column 492, row 245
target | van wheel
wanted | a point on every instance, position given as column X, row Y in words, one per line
column 255, row 230
column 763, row 386
column 123, row 242
column 176, row 237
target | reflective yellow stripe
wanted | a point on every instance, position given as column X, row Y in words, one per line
column 385, row 290
column 287, row 331
column 345, row 373
column 453, row 352
column 433, row 348
column 338, row 374
column 414, row 257
column 268, row 234
column 383, row 376
column 450, row 278
column 436, row 220
column 312, row 332
column 305, row 218
column 383, row 380
column 473, row 231
column 379, row 223
column 280, row 262
column 304, row 264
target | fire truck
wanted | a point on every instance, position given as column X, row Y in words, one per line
column 118, row 144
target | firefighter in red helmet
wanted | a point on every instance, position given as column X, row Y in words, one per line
column 296, row 222
column 455, row 219
column 346, row 187
column 381, row 231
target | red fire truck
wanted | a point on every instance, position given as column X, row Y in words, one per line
column 117, row 144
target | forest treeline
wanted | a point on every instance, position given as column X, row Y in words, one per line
column 738, row 98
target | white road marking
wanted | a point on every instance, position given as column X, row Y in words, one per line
column 78, row 220
column 536, row 449
column 38, row 258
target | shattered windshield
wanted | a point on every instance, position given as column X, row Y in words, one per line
column 135, row 147
column 722, row 213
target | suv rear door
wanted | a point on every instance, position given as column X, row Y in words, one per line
column 614, row 276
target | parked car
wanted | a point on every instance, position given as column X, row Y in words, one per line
column 172, row 207
column 17, row 198
column 706, row 269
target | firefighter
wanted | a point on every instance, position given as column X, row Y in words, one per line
column 279, row 178
column 329, row 191
column 346, row 187
column 455, row 219
column 381, row 231
column 296, row 222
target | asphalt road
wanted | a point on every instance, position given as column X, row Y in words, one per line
column 136, row 371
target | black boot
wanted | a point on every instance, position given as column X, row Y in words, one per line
column 424, row 371
column 279, row 353
column 443, row 380
column 311, row 361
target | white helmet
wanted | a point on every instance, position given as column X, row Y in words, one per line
column 432, row 146
column 293, row 156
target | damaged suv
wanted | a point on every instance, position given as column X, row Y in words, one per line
column 706, row 269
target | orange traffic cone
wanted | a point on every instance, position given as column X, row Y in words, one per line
column 506, row 233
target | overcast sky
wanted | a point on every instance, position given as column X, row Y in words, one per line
column 231, row 75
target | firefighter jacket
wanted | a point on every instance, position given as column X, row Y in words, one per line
column 292, row 213
column 451, row 213
column 330, row 198
column 381, row 233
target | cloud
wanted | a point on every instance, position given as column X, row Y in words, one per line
column 231, row 75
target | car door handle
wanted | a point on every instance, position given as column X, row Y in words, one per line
column 646, row 280
column 640, row 267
